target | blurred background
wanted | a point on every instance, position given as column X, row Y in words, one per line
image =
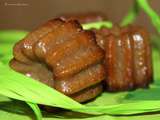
column 27, row 14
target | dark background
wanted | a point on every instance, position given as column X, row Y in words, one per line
column 27, row 14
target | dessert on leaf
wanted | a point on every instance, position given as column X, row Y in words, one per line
column 80, row 63
column 64, row 56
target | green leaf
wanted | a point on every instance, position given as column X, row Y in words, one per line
column 30, row 90
column 14, row 110
column 36, row 110
column 6, row 52
column 131, row 15
column 97, row 25
column 11, row 36
column 155, row 18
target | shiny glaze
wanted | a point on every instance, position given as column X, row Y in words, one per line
column 61, row 57
column 56, row 37
column 18, row 53
column 88, row 54
column 128, row 59
column 83, row 79
column 35, row 35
